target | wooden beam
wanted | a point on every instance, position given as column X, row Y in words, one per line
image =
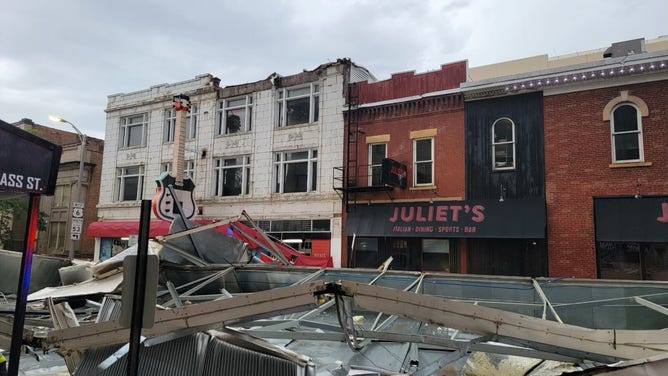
column 259, row 304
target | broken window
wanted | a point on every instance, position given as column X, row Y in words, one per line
column 232, row 176
column 234, row 115
column 296, row 171
column 298, row 105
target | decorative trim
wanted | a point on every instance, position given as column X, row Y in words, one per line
column 378, row 139
column 423, row 133
column 625, row 97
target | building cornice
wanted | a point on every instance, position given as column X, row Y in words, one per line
column 600, row 73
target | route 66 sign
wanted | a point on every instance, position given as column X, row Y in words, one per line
column 77, row 213
column 78, row 210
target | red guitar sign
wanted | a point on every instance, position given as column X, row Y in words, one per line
column 175, row 192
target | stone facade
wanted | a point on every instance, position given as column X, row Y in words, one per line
column 213, row 146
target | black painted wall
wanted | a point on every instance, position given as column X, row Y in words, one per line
column 528, row 178
column 517, row 257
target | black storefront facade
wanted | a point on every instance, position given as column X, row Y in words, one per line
column 436, row 236
column 631, row 237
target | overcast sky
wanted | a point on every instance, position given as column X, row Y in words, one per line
column 65, row 57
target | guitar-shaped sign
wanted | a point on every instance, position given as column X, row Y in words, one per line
column 165, row 206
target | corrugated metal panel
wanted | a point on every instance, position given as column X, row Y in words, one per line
column 196, row 354
column 110, row 310
column 226, row 359
column 182, row 356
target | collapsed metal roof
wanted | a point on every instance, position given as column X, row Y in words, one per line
column 363, row 321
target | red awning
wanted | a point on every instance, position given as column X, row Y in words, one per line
column 123, row 229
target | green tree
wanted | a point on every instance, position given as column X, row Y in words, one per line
column 13, row 210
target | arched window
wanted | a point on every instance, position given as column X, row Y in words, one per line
column 626, row 133
column 503, row 144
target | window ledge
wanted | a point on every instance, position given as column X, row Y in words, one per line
column 423, row 188
column 629, row 164
column 293, row 126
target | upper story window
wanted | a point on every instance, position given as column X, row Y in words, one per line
column 626, row 134
column 423, row 161
column 377, row 152
column 234, row 115
column 57, row 234
column 170, row 124
column 129, row 183
column 61, row 196
column 188, row 169
column 503, row 144
column 298, row 105
column 296, row 171
column 133, row 130
column 625, row 113
column 232, row 176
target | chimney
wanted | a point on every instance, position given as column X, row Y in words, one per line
column 629, row 47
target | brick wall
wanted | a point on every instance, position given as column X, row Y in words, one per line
column 577, row 165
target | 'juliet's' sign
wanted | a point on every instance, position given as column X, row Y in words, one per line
column 27, row 163
column 523, row 218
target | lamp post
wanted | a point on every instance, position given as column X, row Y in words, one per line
column 82, row 138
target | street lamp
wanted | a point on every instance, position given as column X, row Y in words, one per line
column 82, row 138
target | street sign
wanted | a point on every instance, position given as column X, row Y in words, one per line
column 77, row 210
column 75, row 230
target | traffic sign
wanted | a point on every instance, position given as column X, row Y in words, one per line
column 77, row 225
column 77, row 210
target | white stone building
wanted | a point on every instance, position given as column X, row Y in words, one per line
column 267, row 147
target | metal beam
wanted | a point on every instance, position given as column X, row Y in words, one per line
column 622, row 344
column 651, row 305
column 546, row 301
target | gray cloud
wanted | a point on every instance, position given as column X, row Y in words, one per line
column 66, row 57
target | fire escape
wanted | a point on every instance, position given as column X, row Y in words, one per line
column 347, row 179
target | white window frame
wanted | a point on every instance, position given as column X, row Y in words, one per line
column 288, row 95
column 188, row 169
column 504, row 143
column 192, row 118
column 376, row 166
column 283, row 160
column 244, row 103
column 416, row 163
column 637, row 131
column 127, row 123
column 220, row 168
column 122, row 174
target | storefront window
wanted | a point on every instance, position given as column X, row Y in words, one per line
column 436, row 255
column 632, row 260
column 366, row 252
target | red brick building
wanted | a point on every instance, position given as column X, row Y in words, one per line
column 537, row 167
column 589, row 165
column 55, row 240
column 604, row 143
